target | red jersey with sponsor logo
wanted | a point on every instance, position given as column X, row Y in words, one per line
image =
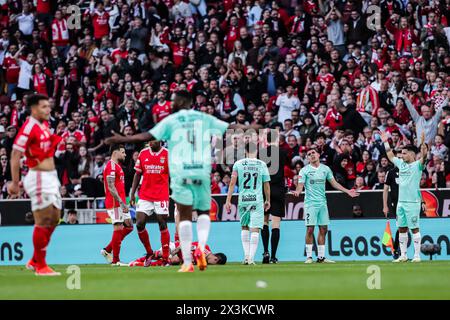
column 154, row 167
column 206, row 251
column 12, row 69
column 179, row 54
column 101, row 24
column 36, row 141
column 114, row 170
column 78, row 134
column 328, row 78
column 117, row 52
column 191, row 84
column 161, row 110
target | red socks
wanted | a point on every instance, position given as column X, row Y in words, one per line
column 165, row 239
column 126, row 230
column 116, row 243
column 108, row 248
column 41, row 238
column 143, row 236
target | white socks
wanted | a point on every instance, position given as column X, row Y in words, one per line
column 203, row 226
column 321, row 251
column 403, row 240
column 254, row 239
column 416, row 239
column 309, row 248
column 245, row 238
column 185, row 234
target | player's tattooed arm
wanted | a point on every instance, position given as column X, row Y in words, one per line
column 387, row 147
column 115, row 193
column 140, row 137
column 230, row 191
column 134, row 186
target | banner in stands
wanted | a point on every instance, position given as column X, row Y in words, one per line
column 346, row 240
column 340, row 206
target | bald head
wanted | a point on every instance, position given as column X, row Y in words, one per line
column 426, row 112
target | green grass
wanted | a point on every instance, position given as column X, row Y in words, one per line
column 343, row 280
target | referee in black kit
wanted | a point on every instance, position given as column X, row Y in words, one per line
column 391, row 182
column 277, row 195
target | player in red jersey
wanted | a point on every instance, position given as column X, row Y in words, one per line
column 115, row 203
column 41, row 183
column 153, row 166
column 162, row 108
column 211, row 258
column 176, row 257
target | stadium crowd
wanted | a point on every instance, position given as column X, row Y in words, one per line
column 327, row 73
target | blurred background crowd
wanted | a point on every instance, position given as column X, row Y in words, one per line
column 330, row 73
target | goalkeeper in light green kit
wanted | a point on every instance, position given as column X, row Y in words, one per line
column 252, row 174
column 313, row 177
column 409, row 196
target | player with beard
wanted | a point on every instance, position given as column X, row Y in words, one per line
column 115, row 203
column 38, row 144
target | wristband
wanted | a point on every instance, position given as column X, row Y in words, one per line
column 387, row 146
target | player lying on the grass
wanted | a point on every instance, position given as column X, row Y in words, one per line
column 152, row 167
column 188, row 134
column 176, row 257
column 115, row 203
column 409, row 196
column 38, row 144
column 252, row 174
column 313, row 178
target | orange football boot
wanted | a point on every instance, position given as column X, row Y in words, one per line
column 201, row 260
column 189, row 268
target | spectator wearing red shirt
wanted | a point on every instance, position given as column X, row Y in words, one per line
column 43, row 10
column 231, row 26
column 352, row 70
column 121, row 52
column 360, row 184
column 404, row 35
column 179, row 52
column 325, row 78
column 161, row 108
column 333, row 118
column 12, row 68
column 72, row 131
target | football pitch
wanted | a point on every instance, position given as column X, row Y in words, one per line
column 283, row 281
